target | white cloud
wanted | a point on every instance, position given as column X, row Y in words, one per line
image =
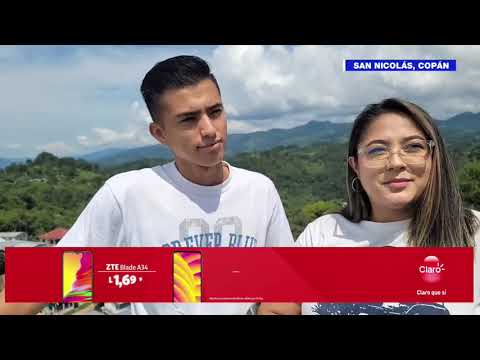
column 57, row 92
column 262, row 82
column 239, row 126
column 109, row 136
column 133, row 136
column 231, row 110
column 83, row 140
column 57, row 148
column 139, row 113
column 134, row 133
column 13, row 146
column 53, row 93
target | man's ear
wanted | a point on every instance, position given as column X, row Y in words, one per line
column 157, row 131
column 353, row 164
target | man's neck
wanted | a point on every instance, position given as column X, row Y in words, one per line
column 203, row 175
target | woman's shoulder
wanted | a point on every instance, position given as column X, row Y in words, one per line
column 328, row 220
column 321, row 229
column 325, row 224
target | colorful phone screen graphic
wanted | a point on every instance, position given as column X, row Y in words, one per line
column 77, row 276
column 187, row 276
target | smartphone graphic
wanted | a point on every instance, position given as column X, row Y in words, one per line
column 187, row 276
column 77, row 276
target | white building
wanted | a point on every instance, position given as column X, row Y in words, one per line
column 2, row 270
column 19, row 243
column 14, row 235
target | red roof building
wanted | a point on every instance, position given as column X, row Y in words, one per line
column 54, row 236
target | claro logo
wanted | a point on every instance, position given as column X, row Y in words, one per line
column 431, row 270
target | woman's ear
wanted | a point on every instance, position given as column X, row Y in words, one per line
column 353, row 164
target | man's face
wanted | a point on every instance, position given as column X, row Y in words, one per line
column 193, row 124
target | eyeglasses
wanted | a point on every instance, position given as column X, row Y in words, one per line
column 413, row 152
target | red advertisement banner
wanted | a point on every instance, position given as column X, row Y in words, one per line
column 241, row 275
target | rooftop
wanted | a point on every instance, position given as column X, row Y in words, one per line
column 11, row 234
column 19, row 243
column 56, row 234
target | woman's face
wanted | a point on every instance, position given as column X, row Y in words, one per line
column 395, row 181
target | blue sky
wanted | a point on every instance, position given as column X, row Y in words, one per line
column 72, row 100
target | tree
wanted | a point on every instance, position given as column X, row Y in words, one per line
column 44, row 158
column 320, row 208
column 470, row 184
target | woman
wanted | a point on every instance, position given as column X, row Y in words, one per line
column 402, row 191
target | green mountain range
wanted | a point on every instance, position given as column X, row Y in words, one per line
column 462, row 128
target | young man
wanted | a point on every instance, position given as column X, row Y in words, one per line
column 198, row 200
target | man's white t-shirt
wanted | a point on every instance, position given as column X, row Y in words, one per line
column 335, row 230
column 159, row 207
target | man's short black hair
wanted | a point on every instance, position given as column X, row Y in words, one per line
column 174, row 73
